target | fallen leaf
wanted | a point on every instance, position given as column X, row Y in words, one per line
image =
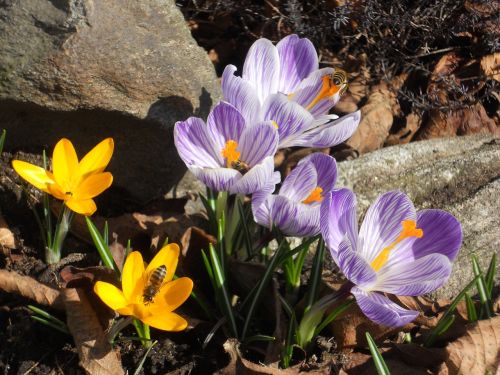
column 361, row 364
column 405, row 134
column 418, row 355
column 7, row 239
column 12, row 282
column 472, row 120
column 95, row 352
column 476, row 352
column 241, row 366
column 490, row 66
column 376, row 119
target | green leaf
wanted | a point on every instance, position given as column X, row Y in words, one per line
column 471, row 309
column 246, row 232
column 447, row 322
column 315, row 279
column 287, row 353
column 273, row 263
column 304, row 245
column 378, row 360
column 221, row 286
column 2, row 140
column 141, row 363
column 442, row 322
column 333, row 315
column 102, row 246
column 259, row 338
column 481, row 286
column 490, row 276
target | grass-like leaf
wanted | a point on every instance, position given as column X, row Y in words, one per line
column 273, row 263
column 378, row 360
column 2, row 140
column 49, row 320
column 244, row 225
column 490, row 276
column 333, row 315
column 314, row 280
column 438, row 329
column 481, row 287
column 471, row 309
column 141, row 363
column 102, row 246
column 221, row 286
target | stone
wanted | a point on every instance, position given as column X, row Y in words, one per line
column 87, row 70
column 460, row 175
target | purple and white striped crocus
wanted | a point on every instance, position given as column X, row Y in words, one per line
column 296, row 208
column 225, row 153
column 397, row 251
column 284, row 84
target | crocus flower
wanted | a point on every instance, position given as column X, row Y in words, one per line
column 157, row 312
column 283, row 84
column 296, row 208
column 226, row 154
column 76, row 183
column 397, row 250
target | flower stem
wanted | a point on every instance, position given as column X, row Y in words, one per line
column 53, row 253
column 143, row 332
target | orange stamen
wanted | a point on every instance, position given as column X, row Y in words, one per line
column 409, row 230
column 230, row 154
column 327, row 89
column 315, row 196
column 275, row 124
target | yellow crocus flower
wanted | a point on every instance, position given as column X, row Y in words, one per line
column 157, row 312
column 76, row 183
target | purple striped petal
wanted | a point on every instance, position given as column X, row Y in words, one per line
column 353, row 266
column 326, row 170
column 262, row 69
column 382, row 310
column 258, row 142
column 331, row 133
column 442, row 235
column 194, row 145
column 262, row 201
column 218, row 179
column 257, row 178
column 298, row 58
column 295, row 219
column 415, row 278
column 290, row 117
column 382, row 223
column 338, row 218
column 224, row 123
column 241, row 94
column 300, row 182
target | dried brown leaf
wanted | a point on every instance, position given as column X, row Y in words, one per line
column 361, row 364
column 406, row 134
column 239, row 365
column 476, row 352
column 490, row 65
column 12, row 282
column 7, row 239
column 95, row 352
column 376, row 119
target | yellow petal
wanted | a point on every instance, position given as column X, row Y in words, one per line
column 166, row 321
column 65, row 164
column 81, row 206
column 56, row 191
column 127, row 310
column 98, row 158
column 173, row 294
column 93, row 185
column 167, row 256
column 110, row 295
column 133, row 278
column 35, row 175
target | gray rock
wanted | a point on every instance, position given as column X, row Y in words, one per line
column 460, row 175
column 87, row 70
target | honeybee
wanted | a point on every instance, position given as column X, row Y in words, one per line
column 155, row 281
column 240, row 166
column 339, row 78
